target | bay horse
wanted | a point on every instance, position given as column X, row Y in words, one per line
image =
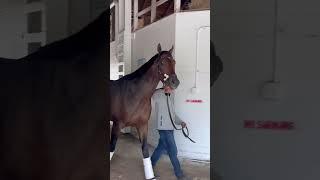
column 131, row 99
column 53, row 109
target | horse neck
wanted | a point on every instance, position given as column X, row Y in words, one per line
column 149, row 81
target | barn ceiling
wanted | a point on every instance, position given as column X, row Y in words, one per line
column 167, row 8
column 163, row 10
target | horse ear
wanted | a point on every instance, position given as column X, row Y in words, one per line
column 170, row 51
column 159, row 48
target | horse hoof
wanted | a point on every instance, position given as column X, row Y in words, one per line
column 156, row 177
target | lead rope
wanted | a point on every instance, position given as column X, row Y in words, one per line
column 183, row 132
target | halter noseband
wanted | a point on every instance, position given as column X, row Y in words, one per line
column 166, row 76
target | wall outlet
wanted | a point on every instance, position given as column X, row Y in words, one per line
column 195, row 90
column 271, row 90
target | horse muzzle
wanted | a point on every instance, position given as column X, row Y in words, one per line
column 173, row 82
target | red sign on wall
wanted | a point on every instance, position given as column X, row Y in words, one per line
column 194, row 101
column 275, row 125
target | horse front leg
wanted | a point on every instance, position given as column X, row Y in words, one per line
column 114, row 137
column 148, row 170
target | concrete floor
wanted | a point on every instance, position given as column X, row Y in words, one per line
column 127, row 164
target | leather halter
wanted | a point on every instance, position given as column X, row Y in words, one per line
column 185, row 134
column 163, row 76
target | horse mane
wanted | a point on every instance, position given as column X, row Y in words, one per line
column 90, row 38
column 142, row 70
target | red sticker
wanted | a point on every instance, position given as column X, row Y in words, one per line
column 275, row 125
column 249, row 124
column 194, row 101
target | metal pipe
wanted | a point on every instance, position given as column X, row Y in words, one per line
column 135, row 15
column 275, row 75
column 177, row 6
column 197, row 53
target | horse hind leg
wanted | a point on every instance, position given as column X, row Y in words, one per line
column 148, row 170
column 114, row 137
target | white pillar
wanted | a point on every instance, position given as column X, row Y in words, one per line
column 153, row 10
column 135, row 14
column 127, row 38
column 177, row 5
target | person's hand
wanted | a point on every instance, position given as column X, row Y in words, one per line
column 183, row 124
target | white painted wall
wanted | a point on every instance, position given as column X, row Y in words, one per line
column 196, row 115
column 113, row 62
column 180, row 30
column 113, row 58
column 97, row 7
column 79, row 15
column 120, row 49
column 243, row 38
column 63, row 18
column 12, row 25
column 145, row 40
column 57, row 12
column 125, row 29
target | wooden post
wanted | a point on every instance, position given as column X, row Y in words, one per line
column 177, row 5
column 135, row 15
column 153, row 10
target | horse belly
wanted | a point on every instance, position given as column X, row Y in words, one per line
column 138, row 116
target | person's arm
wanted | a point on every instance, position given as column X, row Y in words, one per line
column 154, row 97
column 177, row 120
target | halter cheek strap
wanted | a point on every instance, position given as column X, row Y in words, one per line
column 166, row 76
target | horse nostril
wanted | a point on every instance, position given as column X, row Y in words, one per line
column 176, row 82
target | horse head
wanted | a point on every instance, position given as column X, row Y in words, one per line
column 166, row 68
